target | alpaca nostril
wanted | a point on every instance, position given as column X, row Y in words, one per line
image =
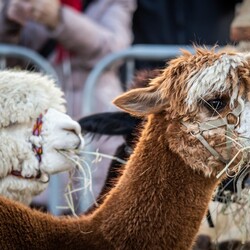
column 80, row 143
column 71, row 131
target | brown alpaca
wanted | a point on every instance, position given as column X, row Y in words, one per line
column 163, row 194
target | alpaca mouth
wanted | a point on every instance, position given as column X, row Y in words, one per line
column 18, row 174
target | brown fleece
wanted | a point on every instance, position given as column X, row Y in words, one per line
column 160, row 199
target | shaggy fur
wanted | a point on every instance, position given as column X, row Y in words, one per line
column 23, row 97
column 163, row 193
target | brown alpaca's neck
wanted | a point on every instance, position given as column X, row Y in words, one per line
column 159, row 202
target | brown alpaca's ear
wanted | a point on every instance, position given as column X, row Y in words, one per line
column 140, row 101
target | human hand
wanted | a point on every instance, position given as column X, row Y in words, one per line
column 19, row 11
column 46, row 12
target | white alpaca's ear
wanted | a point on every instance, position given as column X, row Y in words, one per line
column 141, row 101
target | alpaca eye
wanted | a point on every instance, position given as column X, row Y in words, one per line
column 215, row 104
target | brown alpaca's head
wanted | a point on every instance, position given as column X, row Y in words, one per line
column 204, row 100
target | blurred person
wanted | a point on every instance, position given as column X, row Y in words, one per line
column 83, row 38
column 240, row 27
column 182, row 22
column 74, row 35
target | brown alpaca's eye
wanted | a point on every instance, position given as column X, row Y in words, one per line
column 215, row 104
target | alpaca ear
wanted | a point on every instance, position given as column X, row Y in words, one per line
column 140, row 101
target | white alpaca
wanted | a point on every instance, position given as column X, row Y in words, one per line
column 33, row 129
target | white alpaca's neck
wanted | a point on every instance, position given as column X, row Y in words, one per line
column 159, row 201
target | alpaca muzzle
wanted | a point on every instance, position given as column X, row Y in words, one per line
column 56, row 142
column 217, row 123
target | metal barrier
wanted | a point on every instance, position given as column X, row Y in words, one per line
column 42, row 65
column 128, row 56
column 25, row 54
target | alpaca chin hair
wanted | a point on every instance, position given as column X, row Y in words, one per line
column 21, row 190
column 208, row 171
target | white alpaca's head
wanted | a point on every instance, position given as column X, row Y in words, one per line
column 33, row 130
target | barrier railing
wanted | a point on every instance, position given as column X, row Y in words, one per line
column 27, row 55
column 128, row 56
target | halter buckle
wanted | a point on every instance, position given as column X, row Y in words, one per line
column 196, row 131
column 236, row 117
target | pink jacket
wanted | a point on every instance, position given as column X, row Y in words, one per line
column 104, row 28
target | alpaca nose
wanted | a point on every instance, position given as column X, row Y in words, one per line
column 81, row 142
column 61, row 132
column 73, row 127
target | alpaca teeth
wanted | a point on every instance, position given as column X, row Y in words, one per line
column 44, row 178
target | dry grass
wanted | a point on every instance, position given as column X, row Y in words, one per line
column 82, row 173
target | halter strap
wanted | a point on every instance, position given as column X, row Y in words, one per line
column 37, row 129
column 223, row 121
column 213, row 124
column 210, row 149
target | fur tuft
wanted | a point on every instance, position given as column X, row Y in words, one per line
column 25, row 95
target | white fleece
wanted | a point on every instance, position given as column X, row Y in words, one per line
column 16, row 154
column 23, row 97
column 212, row 79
